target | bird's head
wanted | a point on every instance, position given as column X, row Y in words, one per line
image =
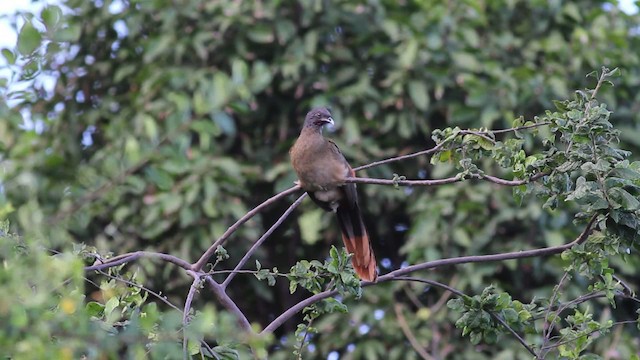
column 318, row 117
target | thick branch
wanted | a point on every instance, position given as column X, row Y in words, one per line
column 493, row 257
column 277, row 322
column 394, row 275
column 229, row 304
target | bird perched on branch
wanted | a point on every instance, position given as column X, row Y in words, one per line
column 321, row 170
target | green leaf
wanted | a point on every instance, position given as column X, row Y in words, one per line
column 455, row 304
column 51, row 16
column 70, row 33
column 111, row 305
column 94, row 309
column 419, row 94
column 261, row 34
column 408, row 54
column 9, row 56
column 628, row 201
column 29, row 39
column 466, row 61
column 310, row 225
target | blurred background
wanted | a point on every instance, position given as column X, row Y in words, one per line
column 154, row 125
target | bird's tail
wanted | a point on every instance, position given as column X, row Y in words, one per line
column 356, row 240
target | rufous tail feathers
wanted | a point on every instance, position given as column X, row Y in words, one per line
column 356, row 240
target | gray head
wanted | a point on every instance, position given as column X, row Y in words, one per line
column 317, row 118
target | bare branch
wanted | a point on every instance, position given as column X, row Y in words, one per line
column 493, row 257
column 197, row 266
column 187, row 307
column 129, row 257
column 406, row 330
column 441, row 145
column 436, row 182
column 277, row 322
column 131, row 283
column 229, row 304
column 371, row 181
column 461, row 294
column 434, row 264
column 259, row 242
column 400, row 158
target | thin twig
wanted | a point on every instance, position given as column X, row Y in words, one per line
column 129, row 257
column 187, row 308
column 514, row 333
column 441, row 145
column 400, row 158
column 624, row 285
column 304, row 338
column 461, row 294
column 131, row 283
column 264, row 237
column 445, row 296
column 546, row 327
column 432, row 283
column 436, row 182
column 566, row 341
column 406, row 330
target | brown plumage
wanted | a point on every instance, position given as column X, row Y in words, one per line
column 321, row 169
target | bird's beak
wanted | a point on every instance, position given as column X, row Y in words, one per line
column 330, row 121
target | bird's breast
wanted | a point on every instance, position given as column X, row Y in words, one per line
column 317, row 167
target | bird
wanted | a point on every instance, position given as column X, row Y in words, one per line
column 322, row 169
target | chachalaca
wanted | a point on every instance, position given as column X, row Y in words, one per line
column 321, row 170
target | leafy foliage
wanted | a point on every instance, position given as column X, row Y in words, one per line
column 154, row 126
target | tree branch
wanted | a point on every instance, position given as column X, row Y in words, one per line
column 404, row 326
column 286, row 315
column 436, row 182
column 187, row 308
column 129, row 257
column 131, row 283
column 461, row 294
column 446, row 141
column 259, row 242
column 493, row 257
column 198, row 265
column 229, row 304
column 217, row 290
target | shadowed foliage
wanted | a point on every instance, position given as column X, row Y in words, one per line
column 155, row 125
